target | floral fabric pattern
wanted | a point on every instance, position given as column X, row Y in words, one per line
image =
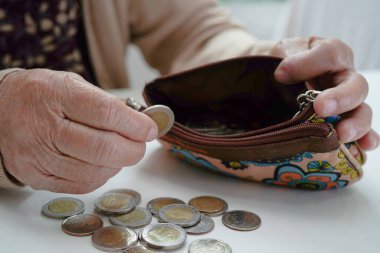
column 293, row 176
column 312, row 171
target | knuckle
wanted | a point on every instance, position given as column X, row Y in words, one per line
column 369, row 112
column 362, row 84
column 138, row 153
column 331, row 50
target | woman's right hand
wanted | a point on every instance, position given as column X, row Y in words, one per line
column 62, row 134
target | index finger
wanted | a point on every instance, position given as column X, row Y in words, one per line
column 325, row 56
column 95, row 108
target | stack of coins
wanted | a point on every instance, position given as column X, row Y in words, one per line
column 131, row 224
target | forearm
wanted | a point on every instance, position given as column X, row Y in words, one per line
column 180, row 34
column 6, row 180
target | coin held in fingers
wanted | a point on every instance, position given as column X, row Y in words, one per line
column 163, row 116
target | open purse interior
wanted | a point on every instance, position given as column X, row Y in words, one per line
column 234, row 96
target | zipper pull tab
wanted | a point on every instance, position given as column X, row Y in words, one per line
column 306, row 99
column 131, row 102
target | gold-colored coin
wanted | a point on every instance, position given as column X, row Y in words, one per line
column 156, row 204
column 163, row 116
column 212, row 206
column 180, row 214
column 136, row 219
column 61, row 208
column 81, row 224
column 164, row 236
column 114, row 238
column 115, row 203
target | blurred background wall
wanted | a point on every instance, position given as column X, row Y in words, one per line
column 357, row 22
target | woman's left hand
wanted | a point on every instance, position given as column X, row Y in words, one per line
column 330, row 61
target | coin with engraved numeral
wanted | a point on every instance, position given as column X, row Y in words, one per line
column 114, row 238
column 115, row 203
column 164, row 236
column 212, row 206
column 156, row 204
column 138, row 218
column 163, row 116
column 241, row 220
column 140, row 249
column 204, row 226
column 208, row 245
column 61, row 208
column 180, row 214
column 130, row 192
column 82, row 224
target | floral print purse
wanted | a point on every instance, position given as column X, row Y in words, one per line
column 234, row 118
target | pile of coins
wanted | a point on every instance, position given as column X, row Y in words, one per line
column 132, row 223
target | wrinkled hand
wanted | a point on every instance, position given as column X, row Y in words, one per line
column 330, row 64
column 60, row 133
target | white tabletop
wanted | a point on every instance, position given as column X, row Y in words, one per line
column 345, row 220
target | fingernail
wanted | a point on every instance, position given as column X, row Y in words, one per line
column 152, row 134
column 329, row 107
column 351, row 134
column 282, row 75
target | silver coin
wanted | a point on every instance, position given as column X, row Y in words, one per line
column 115, row 203
column 164, row 236
column 61, row 208
column 209, row 245
column 130, row 192
column 156, row 204
column 114, row 238
column 138, row 218
column 163, row 116
column 140, row 249
column 241, row 220
column 204, row 226
column 82, row 224
column 180, row 214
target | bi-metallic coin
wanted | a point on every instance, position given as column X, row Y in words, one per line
column 156, row 204
column 138, row 218
column 180, row 214
column 241, row 220
column 204, row 226
column 212, row 206
column 209, row 245
column 62, row 208
column 130, row 192
column 114, row 238
column 164, row 236
column 115, row 203
column 163, row 116
column 82, row 224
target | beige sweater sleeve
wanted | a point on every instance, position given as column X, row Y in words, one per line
column 181, row 34
column 6, row 180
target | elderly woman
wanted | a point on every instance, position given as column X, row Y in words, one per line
column 61, row 133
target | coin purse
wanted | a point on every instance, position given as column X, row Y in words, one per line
column 234, row 118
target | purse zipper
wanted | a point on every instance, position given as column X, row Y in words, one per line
column 280, row 132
